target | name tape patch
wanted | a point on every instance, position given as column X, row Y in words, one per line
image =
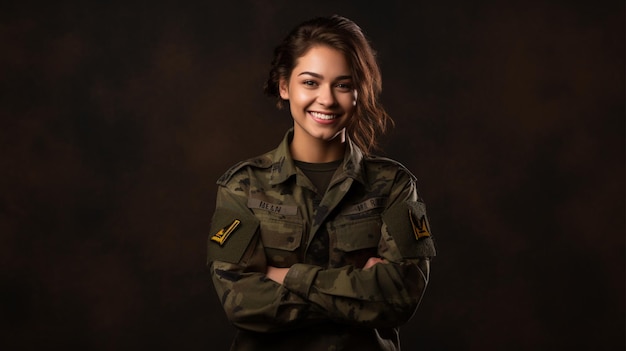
column 369, row 204
column 274, row 208
column 221, row 236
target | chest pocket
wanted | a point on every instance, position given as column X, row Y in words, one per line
column 281, row 236
column 354, row 241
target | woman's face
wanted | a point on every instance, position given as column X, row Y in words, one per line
column 321, row 94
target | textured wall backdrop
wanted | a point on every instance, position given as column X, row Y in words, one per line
column 117, row 119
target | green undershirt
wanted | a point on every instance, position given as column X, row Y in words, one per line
column 319, row 174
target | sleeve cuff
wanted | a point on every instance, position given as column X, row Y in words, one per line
column 300, row 277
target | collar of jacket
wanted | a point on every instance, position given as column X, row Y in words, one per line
column 283, row 166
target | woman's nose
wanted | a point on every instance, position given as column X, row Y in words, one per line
column 326, row 96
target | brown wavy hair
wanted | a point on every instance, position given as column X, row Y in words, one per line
column 370, row 118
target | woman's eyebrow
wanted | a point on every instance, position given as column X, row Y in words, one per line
column 316, row 75
column 319, row 76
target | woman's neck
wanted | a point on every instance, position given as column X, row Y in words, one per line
column 312, row 150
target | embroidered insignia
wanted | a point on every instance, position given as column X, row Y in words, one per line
column 420, row 226
column 221, row 236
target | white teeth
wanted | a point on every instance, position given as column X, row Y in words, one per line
column 323, row 116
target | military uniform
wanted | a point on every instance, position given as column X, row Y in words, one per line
column 268, row 213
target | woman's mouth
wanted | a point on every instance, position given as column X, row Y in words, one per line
column 323, row 116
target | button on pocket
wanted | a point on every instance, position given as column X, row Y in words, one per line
column 282, row 235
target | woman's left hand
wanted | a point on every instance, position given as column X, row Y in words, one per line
column 372, row 261
column 276, row 274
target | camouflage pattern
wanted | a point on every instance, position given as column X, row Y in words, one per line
column 273, row 216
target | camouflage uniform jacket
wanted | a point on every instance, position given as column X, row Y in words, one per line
column 268, row 213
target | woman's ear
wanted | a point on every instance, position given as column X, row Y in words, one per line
column 283, row 88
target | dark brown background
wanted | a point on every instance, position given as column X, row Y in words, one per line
column 117, row 119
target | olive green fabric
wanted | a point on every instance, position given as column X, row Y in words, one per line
column 327, row 301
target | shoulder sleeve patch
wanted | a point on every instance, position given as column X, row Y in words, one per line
column 230, row 234
column 408, row 225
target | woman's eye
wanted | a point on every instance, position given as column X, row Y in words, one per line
column 309, row 83
column 344, row 86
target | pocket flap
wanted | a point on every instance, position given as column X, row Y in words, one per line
column 358, row 235
column 281, row 235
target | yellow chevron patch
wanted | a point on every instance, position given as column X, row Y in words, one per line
column 221, row 236
column 420, row 226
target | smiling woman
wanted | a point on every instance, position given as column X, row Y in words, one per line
column 322, row 101
column 318, row 244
